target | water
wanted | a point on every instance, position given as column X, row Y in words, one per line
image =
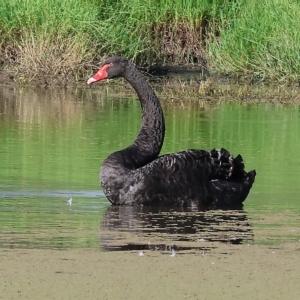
column 53, row 141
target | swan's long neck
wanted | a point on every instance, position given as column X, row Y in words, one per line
column 149, row 140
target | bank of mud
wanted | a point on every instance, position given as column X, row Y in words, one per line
column 173, row 84
column 230, row 271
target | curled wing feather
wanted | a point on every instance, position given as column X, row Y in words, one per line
column 185, row 161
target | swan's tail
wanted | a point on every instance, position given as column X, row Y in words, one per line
column 224, row 163
column 230, row 184
column 229, row 167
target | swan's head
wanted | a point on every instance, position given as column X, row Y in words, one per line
column 111, row 68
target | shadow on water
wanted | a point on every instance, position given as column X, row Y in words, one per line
column 164, row 229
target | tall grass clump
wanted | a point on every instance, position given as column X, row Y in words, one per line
column 262, row 38
column 46, row 37
column 158, row 31
column 65, row 39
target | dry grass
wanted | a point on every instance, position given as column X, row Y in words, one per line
column 180, row 43
column 214, row 91
column 49, row 56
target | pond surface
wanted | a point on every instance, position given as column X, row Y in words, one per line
column 53, row 141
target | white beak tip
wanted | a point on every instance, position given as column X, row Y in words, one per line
column 91, row 80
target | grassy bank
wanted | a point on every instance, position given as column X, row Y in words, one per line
column 64, row 39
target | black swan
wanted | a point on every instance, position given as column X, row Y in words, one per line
column 138, row 175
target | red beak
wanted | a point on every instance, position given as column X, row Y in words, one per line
column 100, row 75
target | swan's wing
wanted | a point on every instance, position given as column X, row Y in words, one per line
column 176, row 162
column 192, row 175
column 214, row 164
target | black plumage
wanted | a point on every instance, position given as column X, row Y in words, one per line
column 138, row 175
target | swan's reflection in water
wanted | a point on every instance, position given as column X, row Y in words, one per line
column 164, row 229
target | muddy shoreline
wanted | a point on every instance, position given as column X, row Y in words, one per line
column 181, row 84
column 231, row 271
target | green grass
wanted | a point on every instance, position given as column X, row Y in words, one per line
column 47, row 37
column 64, row 39
column 264, row 41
